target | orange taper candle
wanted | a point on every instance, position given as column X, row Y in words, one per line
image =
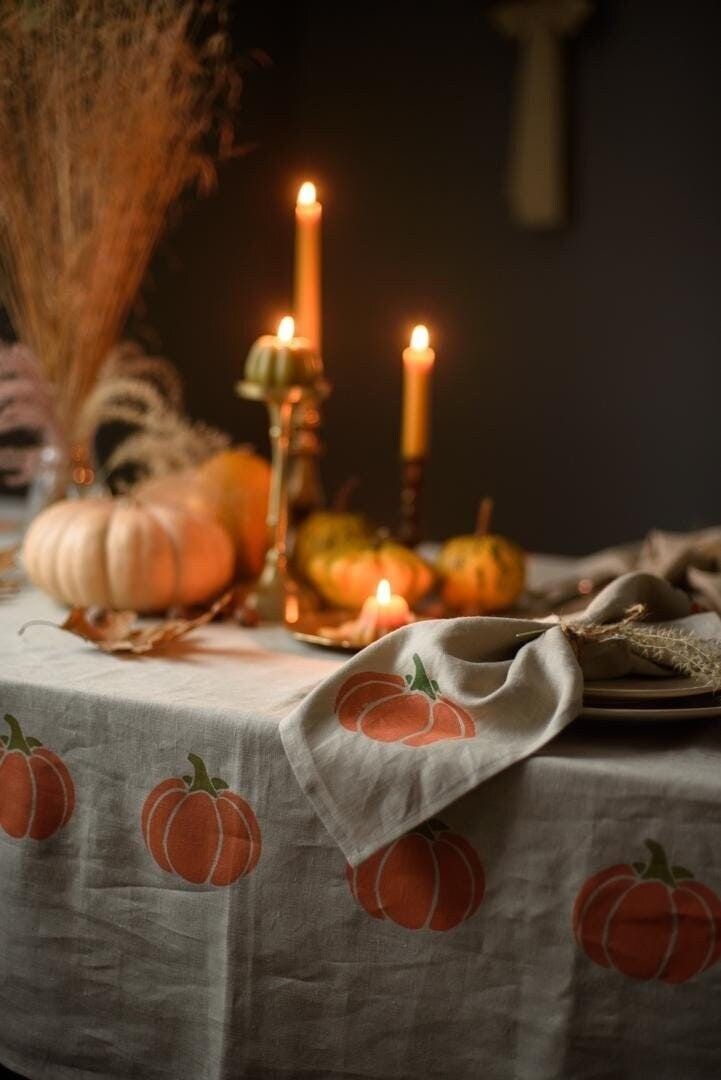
column 308, row 306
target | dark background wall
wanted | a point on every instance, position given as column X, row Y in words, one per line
column 577, row 377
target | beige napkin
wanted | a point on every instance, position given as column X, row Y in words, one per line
column 689, row 560
column 432, row 710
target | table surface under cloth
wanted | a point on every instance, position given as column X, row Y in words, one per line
column 113, row 967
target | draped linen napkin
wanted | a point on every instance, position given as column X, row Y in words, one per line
column 690, row 560
column 427, row 713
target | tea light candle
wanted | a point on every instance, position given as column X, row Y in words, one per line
column 379, row 615
column 382, row 613
column 418, row 360
column 307, row 291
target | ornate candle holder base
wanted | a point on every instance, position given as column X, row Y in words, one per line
column 269, row 597
column 305, row 487
column 412, row 474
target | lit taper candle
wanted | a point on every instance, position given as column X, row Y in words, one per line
column 418, row 361
column 308, row 306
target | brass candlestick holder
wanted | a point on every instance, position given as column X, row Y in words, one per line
column 285, row 373
column 305, row 487
column 409, row 525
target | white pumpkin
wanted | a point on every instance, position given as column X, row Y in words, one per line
column 127, row 554
column 232, row 487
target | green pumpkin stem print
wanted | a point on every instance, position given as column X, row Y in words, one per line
column 198, row 829
column 649, row 920
column 410, row 708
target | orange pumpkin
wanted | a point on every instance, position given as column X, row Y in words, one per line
column 231, row 487
column 428, row 879
column 326, row 530
column 239, row 482
column 37, row 794
column 347, row 575
column 649, row 921
column 196, row 828
column 391, row 708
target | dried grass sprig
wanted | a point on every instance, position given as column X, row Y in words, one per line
column 170, row 444
column 143, row 393
column 127, row 360
column 671, row 647
column 106, row 107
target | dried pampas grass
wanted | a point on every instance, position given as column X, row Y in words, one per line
column 143, row 394
column 109, row 109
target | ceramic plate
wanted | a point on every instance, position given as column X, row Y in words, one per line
column 658, row 712
column 326, row 642
column 636, row 688
column 308, row 630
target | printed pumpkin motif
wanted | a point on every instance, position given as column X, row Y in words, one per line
column 391, row 708
column 428, row 879
column 196, row 828
column 649, row 921
column 37, row 794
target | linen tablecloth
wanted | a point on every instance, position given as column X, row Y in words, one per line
column 436, row 708
column 251, row 950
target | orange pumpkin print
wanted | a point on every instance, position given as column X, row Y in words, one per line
column 37, row 794
column 409, row 710
column 649, row 921
column 196, row 828
column 428, row 879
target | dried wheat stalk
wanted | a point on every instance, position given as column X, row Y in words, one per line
column 680, row 650
column 106, row 112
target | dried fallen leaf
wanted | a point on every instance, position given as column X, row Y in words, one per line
column 100, row 625
column 8, row 582
column 112, row 631
column 7, row 559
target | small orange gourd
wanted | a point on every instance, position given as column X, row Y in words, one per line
column 326, row 530
column 483, row 572
column 347, row 575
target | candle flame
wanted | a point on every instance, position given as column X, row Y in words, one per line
column 306, row 195
column 292, row 609
column 286, row 329
column 383, row 592
column 420, row 338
